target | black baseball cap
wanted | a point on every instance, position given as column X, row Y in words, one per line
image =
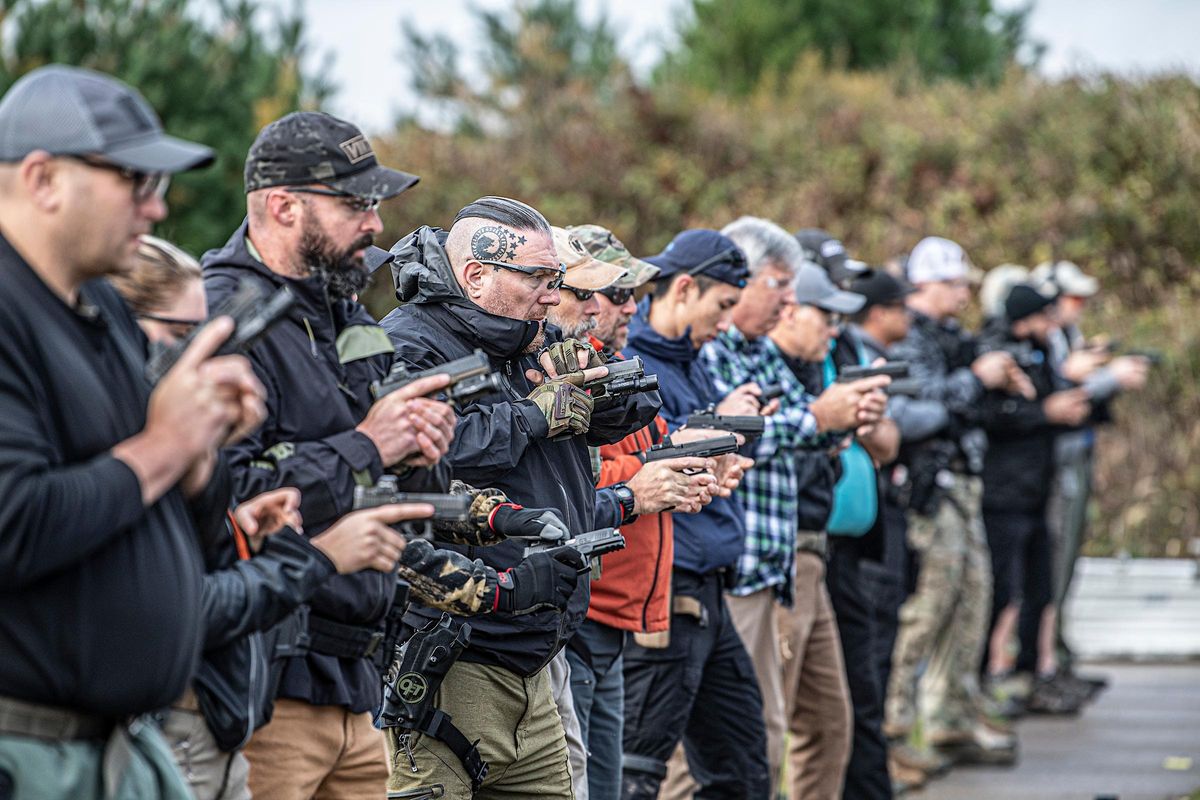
column 881, row 288
column 1024, row 301
column 828, row 253
column 68, row 111
column 702, row 251
column 314, row 147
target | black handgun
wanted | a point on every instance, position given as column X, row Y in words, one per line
column 748, row 426
column 591, row 546
column 446, row 507
column 893, row 369
column 702, row 448
column 471, row 377
column 905, row 387
column 624, row 378
column 252, row 318
column 770, row 391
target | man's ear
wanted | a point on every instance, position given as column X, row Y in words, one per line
column 684, row 289
column 42, row 180
column 473, row 279
column 284, row 208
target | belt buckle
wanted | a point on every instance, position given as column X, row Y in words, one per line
column 373, row 644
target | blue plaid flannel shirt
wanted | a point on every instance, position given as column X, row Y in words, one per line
column 769, row 490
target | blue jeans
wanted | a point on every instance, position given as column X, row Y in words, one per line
column 598, row 688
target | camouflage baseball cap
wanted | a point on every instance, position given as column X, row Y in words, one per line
column 314, row 147
column 582, row 270
column 604, row 246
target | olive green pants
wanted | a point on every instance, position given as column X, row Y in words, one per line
column 520, row 736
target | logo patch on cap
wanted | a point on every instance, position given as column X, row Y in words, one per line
column 357, row 149
column 831, row 248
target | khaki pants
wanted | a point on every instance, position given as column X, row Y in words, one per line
column 211, row 773
column 945, row 621
column 321, row 752
column 798, row 663
column 520, row 737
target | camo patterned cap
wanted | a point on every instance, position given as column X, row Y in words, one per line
column 606, row 247
column 313, row 147
column 583, row 271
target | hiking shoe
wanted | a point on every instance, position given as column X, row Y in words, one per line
column 925, row 760
column 1051, row 696
column 905, row 778
column 982, row 745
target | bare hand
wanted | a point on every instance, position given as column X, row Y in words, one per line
column 363, row 540
column 243, row 392
column 667, row 485
column 1068, row 407
column 268, row 513
column 741, row 402
column 1082, row 363
column 1019, row 383
column 992, row 369
column 1131, row 372
column 406, row 426
column 845, row 406
column 731, row 468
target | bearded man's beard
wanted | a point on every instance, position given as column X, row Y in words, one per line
column 580, row 329
column 341, row 272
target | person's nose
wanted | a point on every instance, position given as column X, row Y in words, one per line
column 373, row 223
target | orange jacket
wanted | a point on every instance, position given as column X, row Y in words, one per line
column 633, row 591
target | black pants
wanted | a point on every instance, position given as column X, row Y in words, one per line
column 867, row 773
column 1022, row 573
column 888, row 584
column 700, row 688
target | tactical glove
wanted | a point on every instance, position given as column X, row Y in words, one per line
column 544, row 580
column 565, row 359
column 567, row 408
column 510, row 519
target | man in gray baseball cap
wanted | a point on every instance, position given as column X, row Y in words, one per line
column 100, row 587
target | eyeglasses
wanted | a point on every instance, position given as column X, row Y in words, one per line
column 356, row 203
column 145, row 184
column 733, row 256
column 619, row 297
column 180, row 327
column 555, row 283
column 582, row 295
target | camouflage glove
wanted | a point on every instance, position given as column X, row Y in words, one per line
column 545, row 580
column 565, row 359
column 567, row 408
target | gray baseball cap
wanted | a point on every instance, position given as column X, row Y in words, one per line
column 72, row 111
column 814, row 288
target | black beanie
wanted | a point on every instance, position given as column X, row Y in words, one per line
column 1023, row 301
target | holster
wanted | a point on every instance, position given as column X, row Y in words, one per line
column 412, row 683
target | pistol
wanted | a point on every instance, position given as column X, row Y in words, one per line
column 446, row 507
column 893, row 369
column 703, row 448
column 471, row 377
column 624, row 378
column 748, row 426
column 252, row 318
column 591, row 546
column 905, row 387
column 770, row 391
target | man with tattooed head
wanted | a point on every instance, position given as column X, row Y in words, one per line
column 489, row 284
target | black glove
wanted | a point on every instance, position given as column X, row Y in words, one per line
column 544, row 580
column 544, row 524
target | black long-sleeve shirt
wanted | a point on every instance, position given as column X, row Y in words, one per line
column 99, row 596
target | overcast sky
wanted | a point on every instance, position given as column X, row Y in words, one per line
column 363, row 37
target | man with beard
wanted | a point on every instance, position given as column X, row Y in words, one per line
column 313, row 185
column 488, row 284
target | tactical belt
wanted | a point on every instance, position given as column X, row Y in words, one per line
column 37, row 721
column 339, row 639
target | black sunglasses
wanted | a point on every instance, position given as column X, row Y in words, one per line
column 618, row 297
column 187, row 325
column 732, row 256
column 356, row 203
column 555, row 283
column 145, row 184
column 582, row 295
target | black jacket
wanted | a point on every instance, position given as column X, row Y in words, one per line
column 241, row 599
column 317, row 367
column 1018, row 471
column 500, row 442
column 99, row 596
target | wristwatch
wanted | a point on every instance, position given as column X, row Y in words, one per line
column 625, row 495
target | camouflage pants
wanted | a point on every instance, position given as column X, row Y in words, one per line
column 943, row 624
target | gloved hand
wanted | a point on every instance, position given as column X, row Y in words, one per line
column 544, row 580
column 567, row 408
column 510, row 519
column 564, row 356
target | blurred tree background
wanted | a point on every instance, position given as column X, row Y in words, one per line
column 880, row 120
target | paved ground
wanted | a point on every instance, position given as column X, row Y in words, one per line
column 1123, row 746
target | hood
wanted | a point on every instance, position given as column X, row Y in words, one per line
column 644, row 338
column 422, row 274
